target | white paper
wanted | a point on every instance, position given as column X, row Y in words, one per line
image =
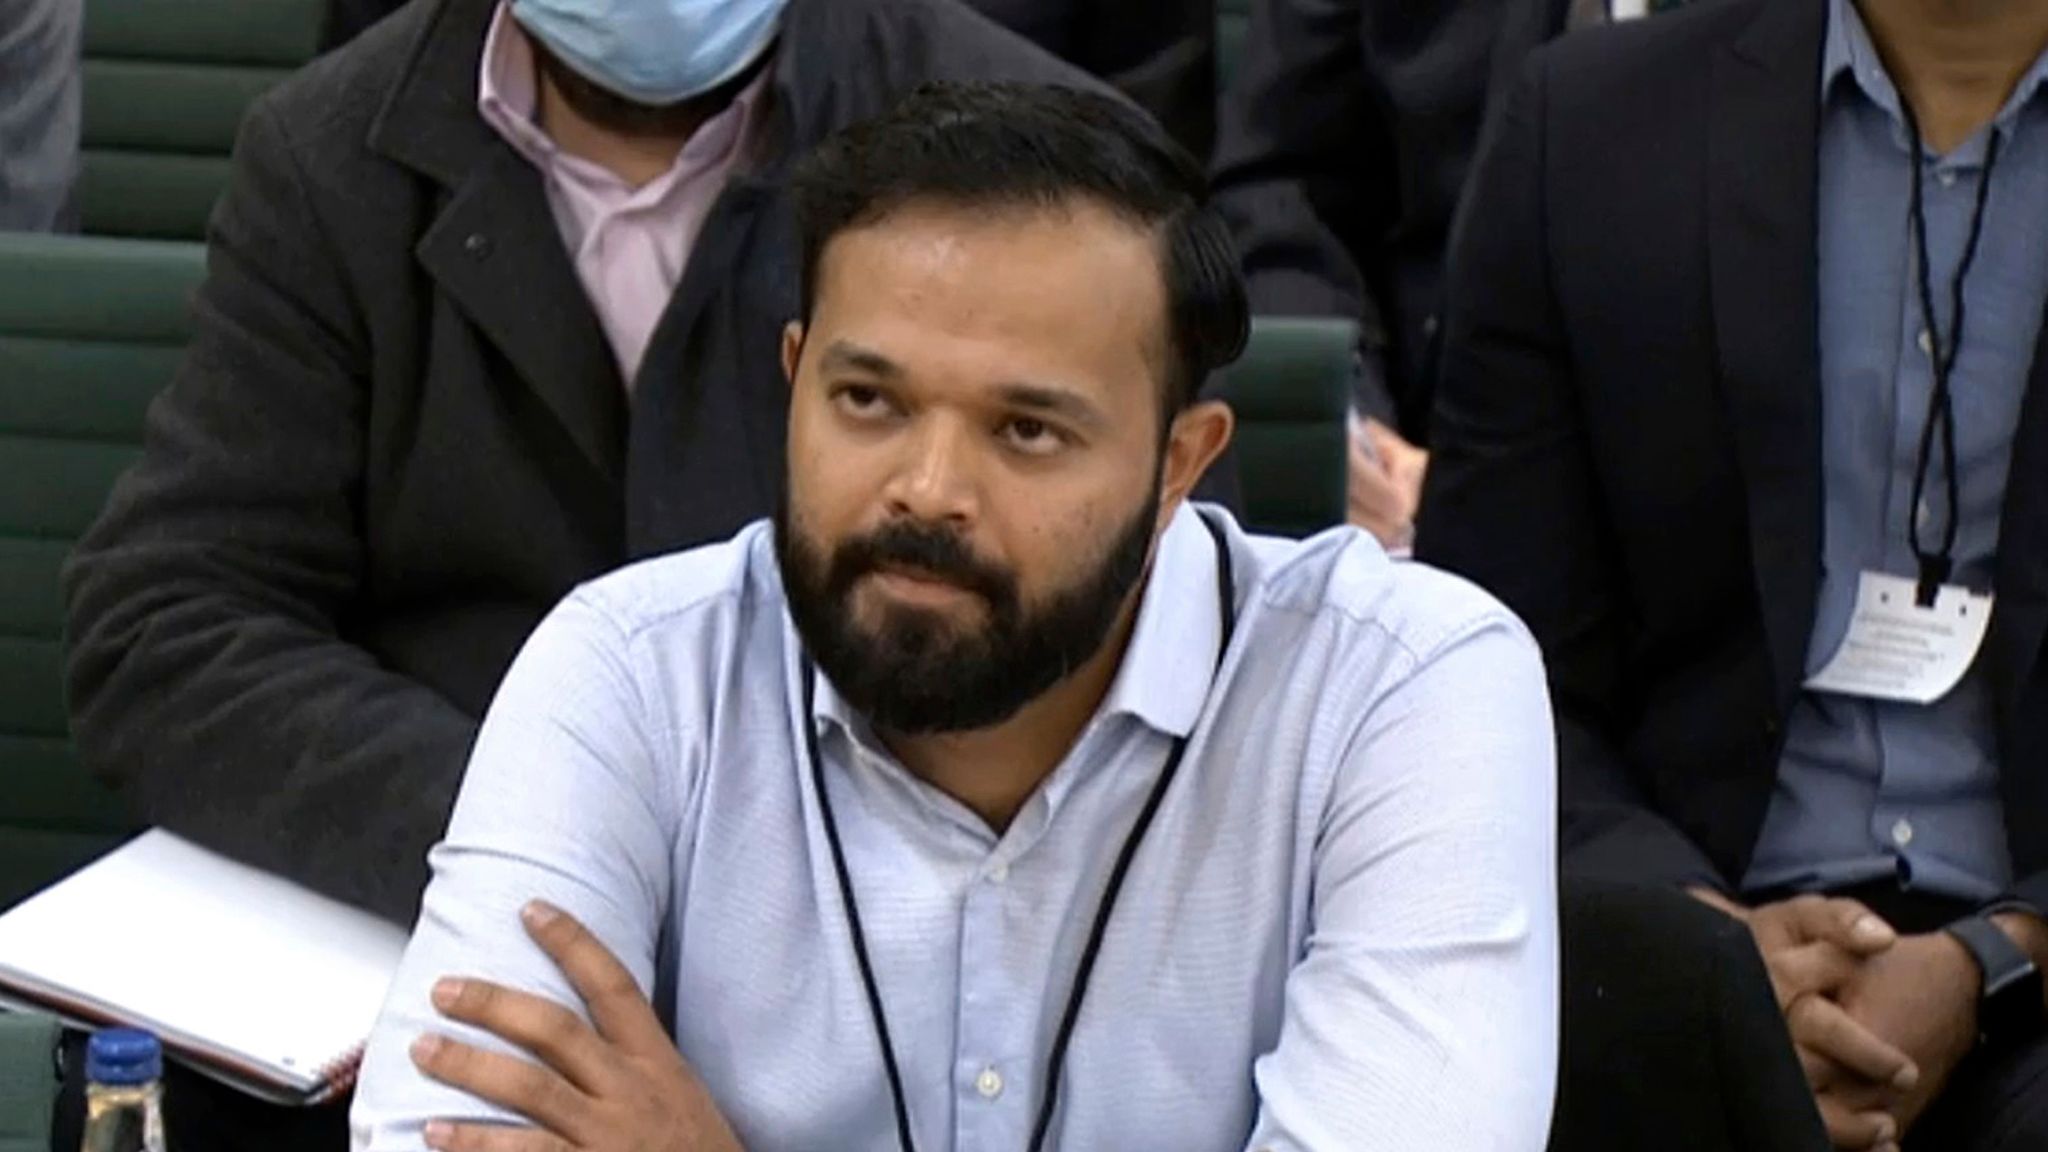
column 231, row 966
column 1897, row 650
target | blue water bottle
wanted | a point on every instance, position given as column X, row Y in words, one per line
column 124, row 1096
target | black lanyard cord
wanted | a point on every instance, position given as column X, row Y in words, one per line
column 1226, row 592
column 1936, row 566
column 860, row 939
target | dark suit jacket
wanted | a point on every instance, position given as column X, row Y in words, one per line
column 1628, row 444
column 399, row 437
column 1160, row 53
column 1341, row 152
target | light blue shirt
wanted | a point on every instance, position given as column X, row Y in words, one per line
column 1339, row 934
column 1870, row 789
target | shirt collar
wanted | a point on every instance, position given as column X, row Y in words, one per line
column 508, row 100
column 506, row 95
column 1169, row 667
column 1850, row 51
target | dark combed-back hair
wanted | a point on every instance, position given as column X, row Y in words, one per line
column 1000, row 145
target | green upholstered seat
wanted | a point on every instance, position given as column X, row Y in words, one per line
column 1233, row 19
column 1291, row 390
column 166, row 83
column 28, row 1080
column 90, row 329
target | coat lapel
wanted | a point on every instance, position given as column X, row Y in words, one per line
column 2019, row 622
column 495, row 250
column 1764, row 284
column 497, row 254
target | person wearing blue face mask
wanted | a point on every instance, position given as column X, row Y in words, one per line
column 494, row 305
column 1160, row 53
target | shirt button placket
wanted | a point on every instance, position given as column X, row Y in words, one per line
column 979, row 1025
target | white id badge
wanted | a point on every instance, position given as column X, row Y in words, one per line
column 1897, row 650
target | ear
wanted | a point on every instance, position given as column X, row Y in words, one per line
column 792, row 350
column 1199, row 435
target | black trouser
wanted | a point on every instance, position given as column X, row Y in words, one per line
column 1993, row 1103
column 1672, row 1039
column 202, row 1115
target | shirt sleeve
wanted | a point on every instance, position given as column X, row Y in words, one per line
column 1423, row 1015
column 562, row 802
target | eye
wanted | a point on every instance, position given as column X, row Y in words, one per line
column 862, row 401
column 1032, row 435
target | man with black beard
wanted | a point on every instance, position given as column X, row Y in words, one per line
column 993, row 795
column 491, row 308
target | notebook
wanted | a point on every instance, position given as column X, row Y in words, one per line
column 246, row 977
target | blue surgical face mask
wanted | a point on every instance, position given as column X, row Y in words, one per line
column 653, row 51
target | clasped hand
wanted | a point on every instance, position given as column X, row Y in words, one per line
column 613, row 1084
column 1879, row 1020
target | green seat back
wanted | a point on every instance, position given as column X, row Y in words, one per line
column 91, row 329
column 166, row 83
column 1233, row 21
column 1291, row 391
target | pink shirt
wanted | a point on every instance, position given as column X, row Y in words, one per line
column 629, row 245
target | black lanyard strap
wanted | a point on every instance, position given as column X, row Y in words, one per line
column 1937, row 565
column 1226, row 595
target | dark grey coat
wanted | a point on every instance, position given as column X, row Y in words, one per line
column 399, row 437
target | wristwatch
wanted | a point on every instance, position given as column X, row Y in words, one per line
column 2011, row 1007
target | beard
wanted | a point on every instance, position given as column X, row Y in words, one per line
column 624, row 117
column 920, row 673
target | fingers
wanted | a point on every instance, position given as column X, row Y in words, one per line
column 1856, row 1131
column 1821, row 967
column 1822, row 1027
column 532, row 1023
column 1404, row 461
column 537, row 1093
column 1378, row 501
column 609, row 991
column 446, row 1136
column 1718, row 902
column 1821, row 1073
column 1845, row 923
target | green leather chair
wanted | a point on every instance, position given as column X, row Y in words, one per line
column 165, row 85
column 90, row 329
column 1233, row 20
column 28, row 1080
column 1291, row 391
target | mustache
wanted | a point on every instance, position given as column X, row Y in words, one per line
column 905, row 544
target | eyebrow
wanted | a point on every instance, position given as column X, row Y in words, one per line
column 844, row 355
column 1051, row 401
column 841, row 355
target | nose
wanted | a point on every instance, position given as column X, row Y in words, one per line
column 936, row 478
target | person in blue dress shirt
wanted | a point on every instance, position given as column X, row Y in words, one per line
column 993, row 795
column 1744, row 401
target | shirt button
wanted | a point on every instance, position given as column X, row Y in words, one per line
column 1926, row 342
column 989, row 1083
column 1948, row 179
column 998, row 873
column 1902, row 832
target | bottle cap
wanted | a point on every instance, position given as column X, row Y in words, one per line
column 123, row 1056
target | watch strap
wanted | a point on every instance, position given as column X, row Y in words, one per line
column 2010, row 977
